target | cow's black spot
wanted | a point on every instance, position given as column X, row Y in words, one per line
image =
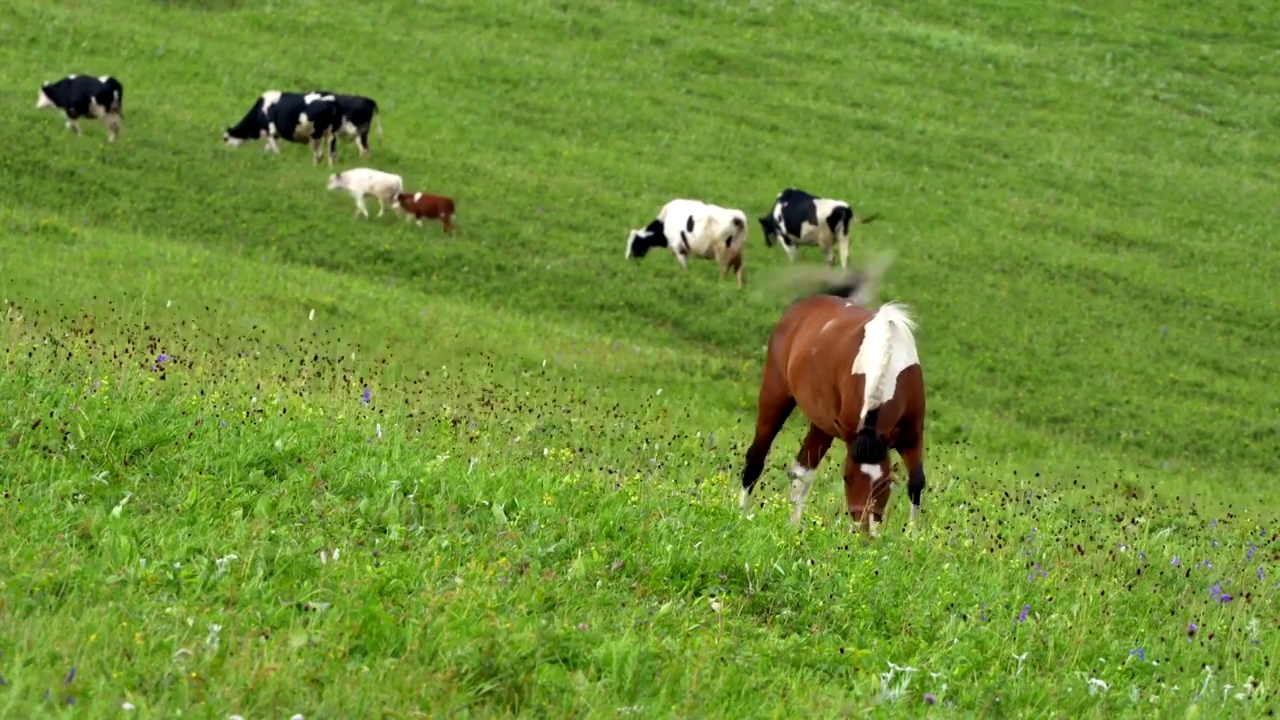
column 796, row 208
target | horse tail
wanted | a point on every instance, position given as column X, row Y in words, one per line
column 888, row 347
column 859, row 285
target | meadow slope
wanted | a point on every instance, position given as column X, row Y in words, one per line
column 261, row 457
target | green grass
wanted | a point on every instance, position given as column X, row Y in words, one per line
column 537, row 505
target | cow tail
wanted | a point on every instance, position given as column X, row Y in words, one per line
column 869, row 219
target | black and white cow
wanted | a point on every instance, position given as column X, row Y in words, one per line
column 356, row 114
column 80, row 96
column 694, row 228
column 294, row 117
column 799, row 218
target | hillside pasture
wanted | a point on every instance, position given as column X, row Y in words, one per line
column 263, row 458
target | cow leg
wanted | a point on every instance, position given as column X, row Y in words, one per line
column 683, row 260
column 73, row 125
column 828, row 252
column 112, row 121
column 790, row 249
column 805, row 468
column 449, row 227
column 380, row 205
column 359, row 204
column 362, row 141
column 332, row 138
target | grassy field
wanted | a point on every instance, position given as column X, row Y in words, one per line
column 262, row 458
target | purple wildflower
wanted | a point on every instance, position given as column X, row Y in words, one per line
column 1022, row 617
column 3, row 682
column 1142, row 555
column 1191, row 630
column 1262, row 533
column 1252, row 549
column 1216, row 593
column 1262, row 572
column 1214, row 543
column 1142, row 656
column 1176, row 562
column 70, row 676
column 930, row 698
column 366, row 396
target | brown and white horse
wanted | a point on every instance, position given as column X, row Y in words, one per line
column 855, row 373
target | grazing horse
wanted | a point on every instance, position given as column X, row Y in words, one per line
column 854, row 372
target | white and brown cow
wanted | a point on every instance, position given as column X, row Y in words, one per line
column 694, row 228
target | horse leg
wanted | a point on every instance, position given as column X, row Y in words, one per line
column 775, row 406
column 913, row 458
column 805, row 468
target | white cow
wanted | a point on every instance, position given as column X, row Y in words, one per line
column 366, row 181
column 698, row 229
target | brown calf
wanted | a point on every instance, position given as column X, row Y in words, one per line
column 423, row 206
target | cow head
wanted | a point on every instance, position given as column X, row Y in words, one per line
column 336, row 181
column 251, row 127
column 771, row 231
column 42, row 100
column 640, row 242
